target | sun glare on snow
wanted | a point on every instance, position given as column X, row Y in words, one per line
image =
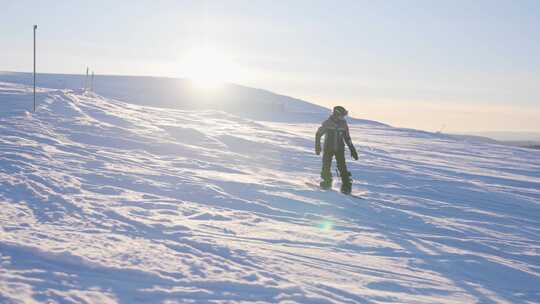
column 208, row 68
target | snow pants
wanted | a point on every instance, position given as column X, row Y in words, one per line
column 328, row 155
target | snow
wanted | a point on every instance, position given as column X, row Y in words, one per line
column 181, row 94
column 105, row 201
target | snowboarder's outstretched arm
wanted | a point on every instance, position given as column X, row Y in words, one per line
column 349, row 143
column 318, row 135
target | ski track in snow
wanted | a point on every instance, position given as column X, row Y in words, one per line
column 104, row 202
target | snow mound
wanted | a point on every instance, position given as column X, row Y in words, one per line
column 105, row 201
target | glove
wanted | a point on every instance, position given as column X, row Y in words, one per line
column 353, row 153
column 318, row 149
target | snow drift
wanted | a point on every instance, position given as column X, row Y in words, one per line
column 105, row 201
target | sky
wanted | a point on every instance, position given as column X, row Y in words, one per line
column 451, row 66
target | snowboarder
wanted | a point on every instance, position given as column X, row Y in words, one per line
column 337, row 134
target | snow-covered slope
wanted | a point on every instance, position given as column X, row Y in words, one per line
column 104, row 201
column 181, row 94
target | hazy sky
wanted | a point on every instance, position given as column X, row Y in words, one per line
column 455, row 65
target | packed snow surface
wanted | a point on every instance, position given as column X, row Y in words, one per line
column 104, row 201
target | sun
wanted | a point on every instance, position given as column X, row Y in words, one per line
column 208, row 68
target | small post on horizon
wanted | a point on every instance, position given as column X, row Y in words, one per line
column 86, row 80
column 92, row 82
column 35, row 28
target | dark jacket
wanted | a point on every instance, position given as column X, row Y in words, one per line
column 336, row 133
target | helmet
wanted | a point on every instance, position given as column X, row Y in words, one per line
column 340, row 111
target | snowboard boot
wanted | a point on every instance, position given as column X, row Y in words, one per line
column 326, row 183
column 346, row 183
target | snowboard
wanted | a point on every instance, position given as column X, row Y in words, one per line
column 352, row 194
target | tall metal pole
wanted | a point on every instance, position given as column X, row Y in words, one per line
column 35, row 28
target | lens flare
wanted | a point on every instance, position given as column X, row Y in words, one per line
column 326, row 225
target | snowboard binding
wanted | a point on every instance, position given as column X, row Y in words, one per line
column 346, row 183
column 326, row 183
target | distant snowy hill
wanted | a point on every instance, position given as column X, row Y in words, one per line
column 181, row 94
column 105, row 201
